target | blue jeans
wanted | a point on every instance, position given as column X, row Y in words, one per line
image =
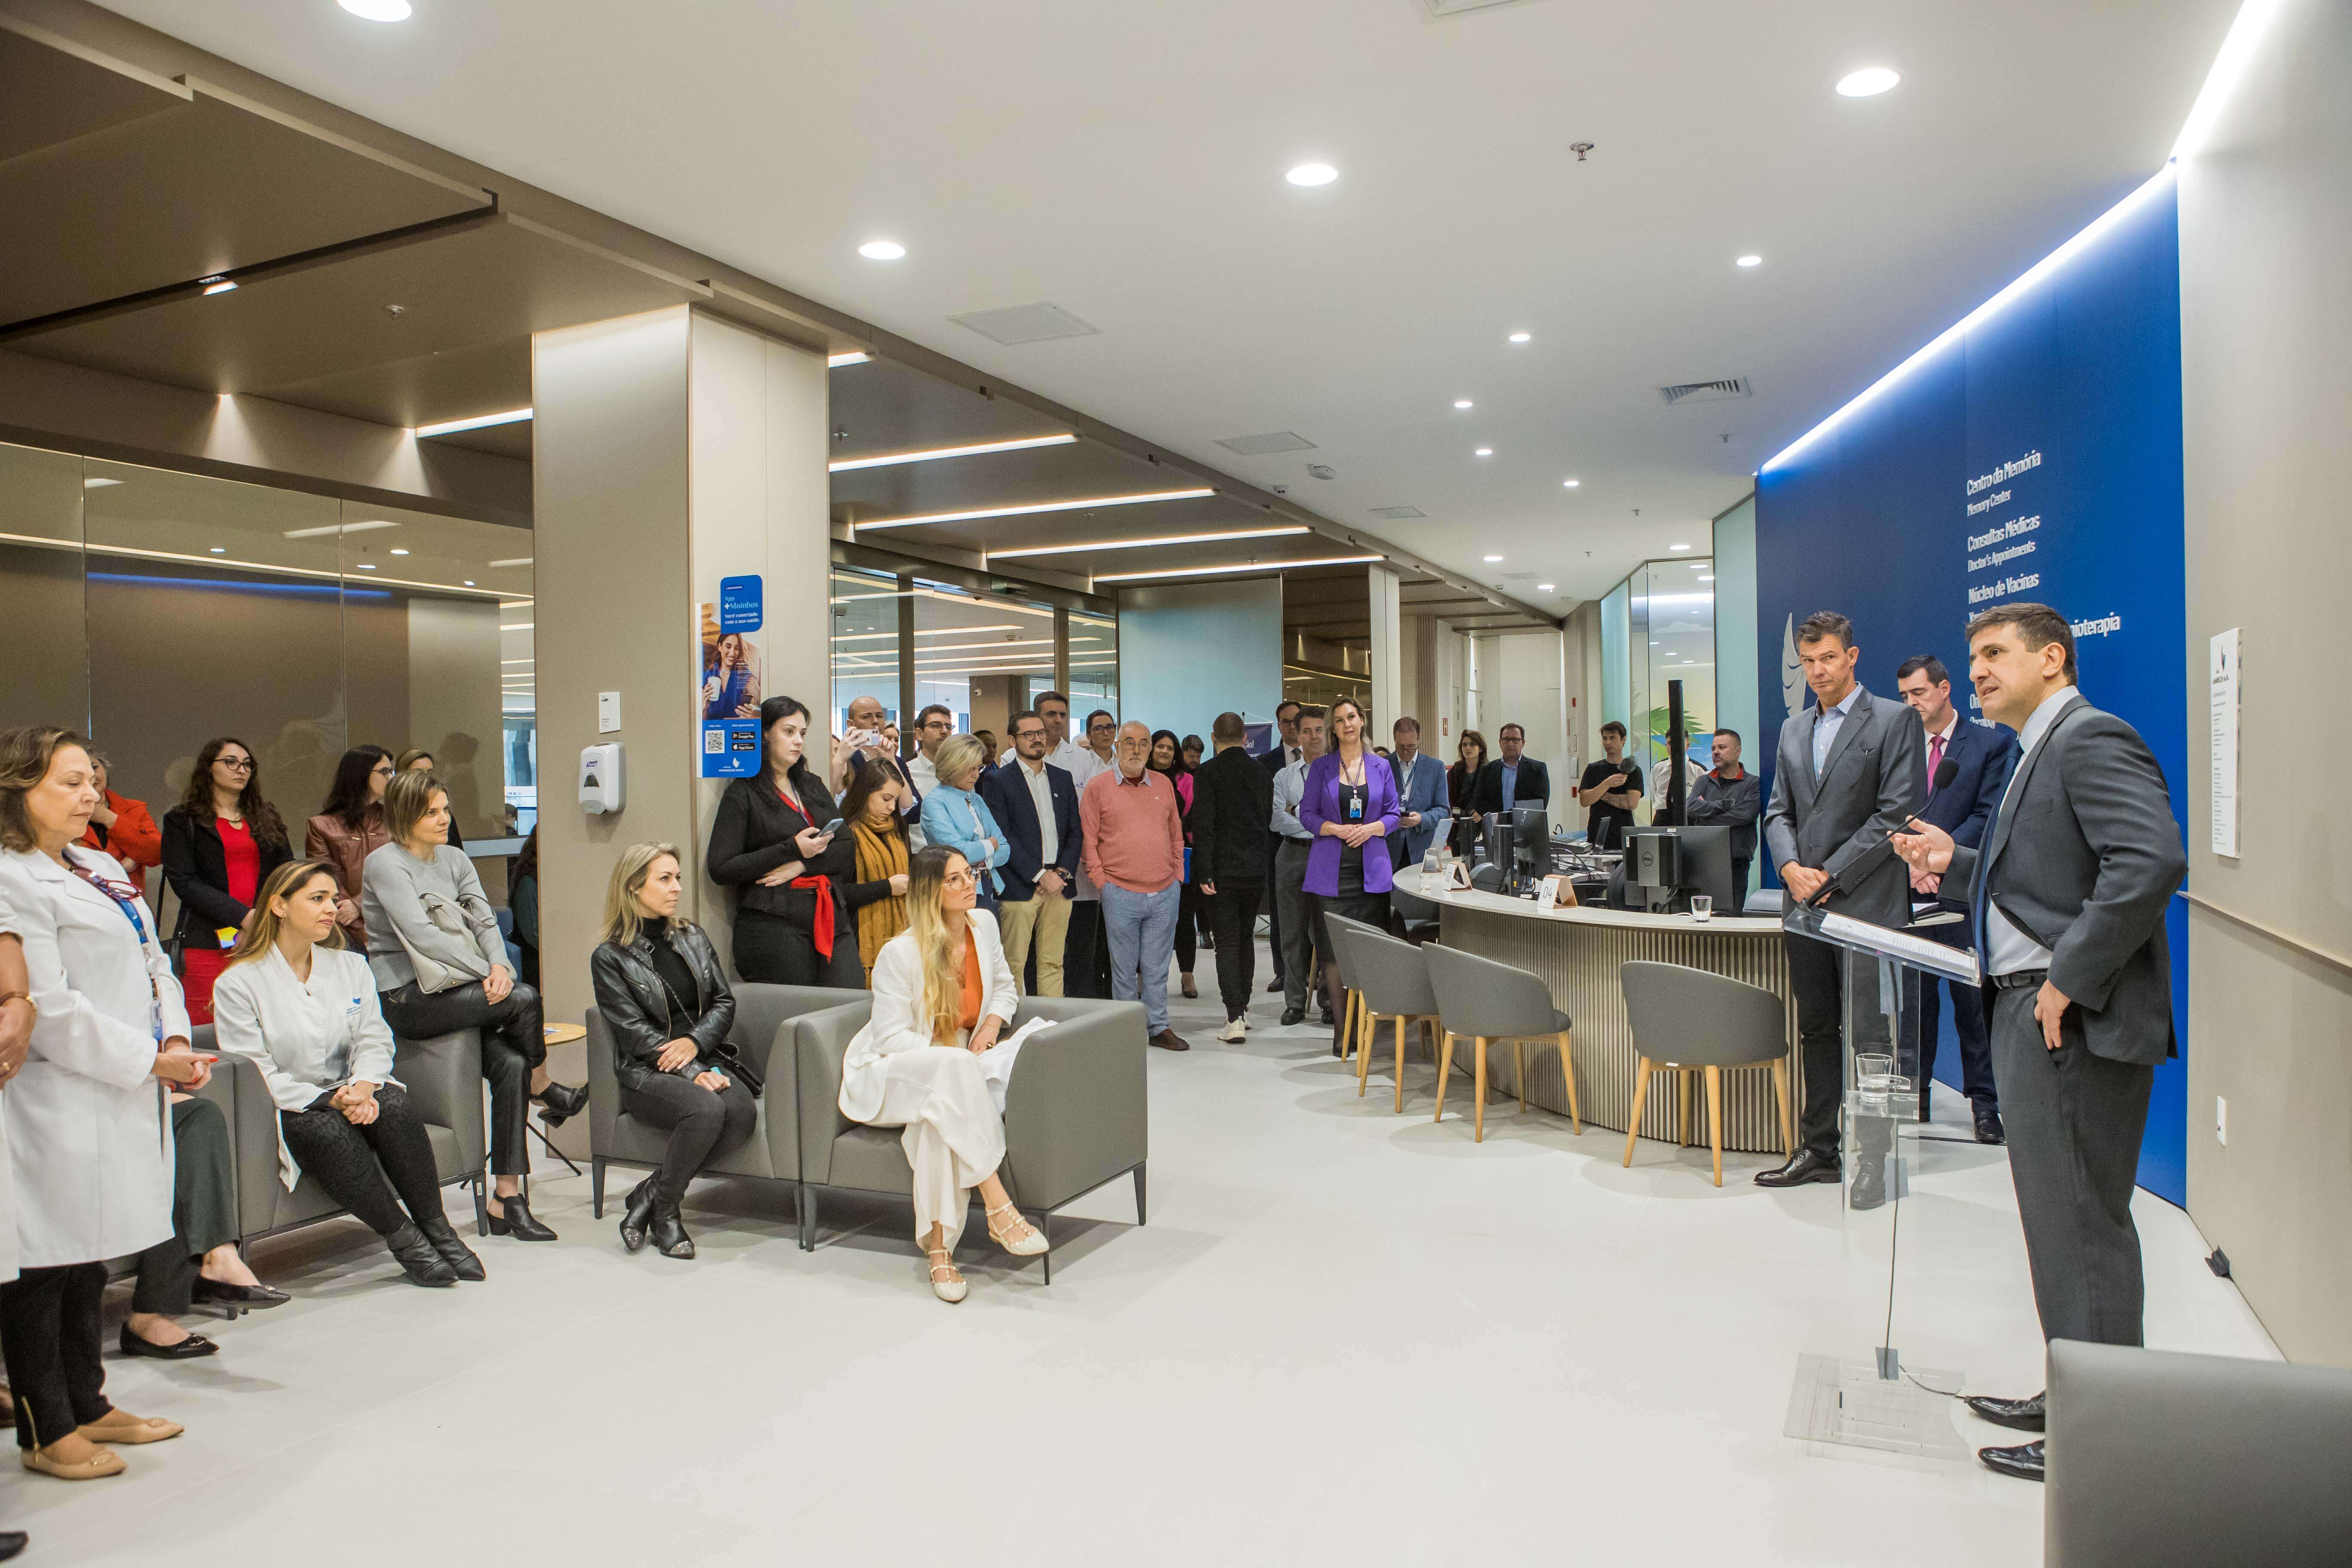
column 1142, row 931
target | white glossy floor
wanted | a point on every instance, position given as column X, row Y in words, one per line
column 1343, row 1336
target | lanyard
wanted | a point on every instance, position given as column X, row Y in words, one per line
column 123, row 897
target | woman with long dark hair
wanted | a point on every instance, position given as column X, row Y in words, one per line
column 1168, row 760
column 1350, row 803
column 769, row 841
column 730, row 679
column 219, row 843
column 348, row 829
column 878, row 895
column 1463, row 777
column 522, row 903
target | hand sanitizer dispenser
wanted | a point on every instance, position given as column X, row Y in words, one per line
column 600, row 778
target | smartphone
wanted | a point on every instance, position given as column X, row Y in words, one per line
column 831, row 827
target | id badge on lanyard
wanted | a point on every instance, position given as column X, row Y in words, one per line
column 123, row 901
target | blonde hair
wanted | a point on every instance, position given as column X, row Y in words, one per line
column 406, row 799
column 942, row 957
column 623, row 918
column 283, row 883
column 956, row 754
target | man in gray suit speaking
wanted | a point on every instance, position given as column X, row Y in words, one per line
column 2069, row 893
column 1849, row 774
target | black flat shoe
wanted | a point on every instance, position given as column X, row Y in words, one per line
column 454, row 1252
column 2023, row 1414
column 668, row 1232
column 12, row 1541
column 1273, row 987
column 559, row 1102
column 517, row 1222
column 1988, row 1128
column 226, row 1294
column 1802, row 1167
column 2024, row 1461
column 189, row 1349
column 1293, row 1015
column 419, row 1258
column 636, row 1215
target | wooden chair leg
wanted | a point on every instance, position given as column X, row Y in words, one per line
column 1444, row 1069
column 1400, row 1065
column 1788, row 1117
column 1641, row 1095
column 1568, row 1071
column 1684, row 1096
column 1479, row 1128
column 1519, row 1071
column 1363, row 1057
column 1715, row 1119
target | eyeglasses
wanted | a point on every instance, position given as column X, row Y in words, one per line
column 959, row 879
column 234, row 765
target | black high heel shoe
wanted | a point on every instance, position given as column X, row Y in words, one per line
column 668, row 1232
column 636, row 1215
column 419, row 1258
column 517, row 1221
column 559, row 1102
column 461, row 1259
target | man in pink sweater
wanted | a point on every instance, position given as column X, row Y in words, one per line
column 1134, row 838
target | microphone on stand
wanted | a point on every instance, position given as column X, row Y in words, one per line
column 1867, row 860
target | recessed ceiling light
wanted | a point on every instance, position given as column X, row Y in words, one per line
column 1706, row 577
column 1492, row 559
column 1749, row 262
column 1546, row 587
column 1312, row 175
column 1867, row 82
column 1522, row 337
column 1571, row 484
column 1462, row 403
column 220, row 549
column 219, row 286
column 881, row 250
column 99, row 484
column 1678, row 547
column 469, row 582
column 367, row 566
column 1486, row 451
column 377, row 10
column 400, row 552
column 840, row 361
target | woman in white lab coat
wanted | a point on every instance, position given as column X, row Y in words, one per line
column 942, row 995
column 89, row 1131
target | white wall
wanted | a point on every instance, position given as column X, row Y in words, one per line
column 1524, row 679
column 1189, row 651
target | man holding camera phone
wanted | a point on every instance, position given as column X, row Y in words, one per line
column 1610, row 790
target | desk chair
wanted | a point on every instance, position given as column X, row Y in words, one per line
column 1685, row 1021
column 1343, row 931
column 1486, row 1001
column 1392, row 982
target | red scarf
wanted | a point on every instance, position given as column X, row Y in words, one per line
column 821, row 886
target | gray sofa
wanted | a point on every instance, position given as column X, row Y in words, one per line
column 2158, row 1458
column 762, row 1033
column 1077, row 1111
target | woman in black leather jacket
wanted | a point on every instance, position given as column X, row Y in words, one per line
column 665, row 1001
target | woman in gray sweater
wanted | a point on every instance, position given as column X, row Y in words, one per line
column 440, row 965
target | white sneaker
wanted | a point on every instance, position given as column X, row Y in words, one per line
column 1235, row 1032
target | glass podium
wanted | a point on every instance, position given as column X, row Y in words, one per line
column 1853, row 1399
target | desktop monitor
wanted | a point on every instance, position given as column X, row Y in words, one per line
column 1531, row 832
column 1501, row 839
column 1668, row 865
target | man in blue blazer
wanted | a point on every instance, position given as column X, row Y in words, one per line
column 1421, row 795
column 1038, row 805
column 1964, row 808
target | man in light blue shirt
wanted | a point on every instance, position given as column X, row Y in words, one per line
column 1827, row 721
column 1421, row 795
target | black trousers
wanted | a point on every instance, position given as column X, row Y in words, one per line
column 1976, row 1044
column 1739, row 870
column 1235, row 908
column 529, row 974
column 1188, row 922
column 203, row 1209
column 773, row 951
column 353, row 1163
column 514, row 1046
column 703, row 1126
column 1085, row 953
column 1817, row 973
column 50, row 1338
column 1274, row 910
column 2074, row 1122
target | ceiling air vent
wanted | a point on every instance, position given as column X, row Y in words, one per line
column 1025, row 323
column 1398, row 513
column 1265, row 445
column 1705, row 390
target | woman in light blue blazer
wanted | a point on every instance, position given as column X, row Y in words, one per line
column 956, row 816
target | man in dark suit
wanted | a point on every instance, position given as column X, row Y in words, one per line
column 1512, row 779
column 1038, row 805
column 1274, row 759
column 2069, row 891
column 1233, row 802
column 1847, row 773
column 1982, row 756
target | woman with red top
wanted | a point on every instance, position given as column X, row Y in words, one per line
column 124, row 829
column 768, row 840
column 219, row 842
column 1167, row 759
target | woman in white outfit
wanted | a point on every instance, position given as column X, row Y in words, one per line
column 88, row 1127
column 927, row 1060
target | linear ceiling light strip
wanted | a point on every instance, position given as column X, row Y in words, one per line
column 1245, row 566
column 892, row 459
column 1030, row 509
column 1146, row 544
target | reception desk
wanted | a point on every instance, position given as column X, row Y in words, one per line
column 1578, row 952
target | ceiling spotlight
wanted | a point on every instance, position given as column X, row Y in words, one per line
column 1462, row 403
column 1546, row 587
column 1486, row 451
column 367, row 566
column 881, row 250
column 1749, row 262
column 1678, row 547
column 377, row 10
column 1867, row 82
column 220, row 549
column 469, row 582
column 400, row 552
column 220, row 286
column 1312, row 175
column 1571, row 484
column 1522, row 337
column 1492, row 559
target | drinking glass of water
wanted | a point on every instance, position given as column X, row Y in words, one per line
column 1702, row 907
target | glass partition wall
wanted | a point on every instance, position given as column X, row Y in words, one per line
column 155, row 610
column 1657, row 627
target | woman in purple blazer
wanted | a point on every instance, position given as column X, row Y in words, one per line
column 1349, row 804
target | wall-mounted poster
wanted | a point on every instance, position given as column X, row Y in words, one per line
column 727, row 701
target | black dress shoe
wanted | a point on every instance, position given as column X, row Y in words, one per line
column 461, row 1259
column 12, row 1541
column 668, row 1232
column 559, row 1102
column 1803, row 1166
column 419, row 1258
column 1274, row 986
column 2024, row 1415
column 636, row 1215
column 226, row 1294
column 188, row 1349
column 1293, row 1015
column 1988, row 1128
column 1869, row 1193
column 2024, row 1461
column 517, row 1222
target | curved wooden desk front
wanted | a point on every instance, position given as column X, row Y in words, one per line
column 1578, row 952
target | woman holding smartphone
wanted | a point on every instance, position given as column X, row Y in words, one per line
column 777, row 841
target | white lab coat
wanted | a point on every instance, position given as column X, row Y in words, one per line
column 89, row 1126
column 305, row 1038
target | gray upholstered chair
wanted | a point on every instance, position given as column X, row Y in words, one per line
column 1392, row 978
column 2165, row 1460
column 1352, row 1022
column 762, row 1034
column 1418, row 915
column 1687, row 1021
column 1484, row 1000
column 1077, row 1111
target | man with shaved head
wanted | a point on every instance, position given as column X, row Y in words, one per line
column 1133, row 838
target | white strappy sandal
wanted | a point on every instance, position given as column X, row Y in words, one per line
column 1018, row 1236
column 945, row 1283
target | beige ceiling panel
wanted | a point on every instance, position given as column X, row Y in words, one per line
column 430, row 388
column 54, row 96
column 882, row 407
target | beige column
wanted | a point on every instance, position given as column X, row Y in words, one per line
column 1388, row 652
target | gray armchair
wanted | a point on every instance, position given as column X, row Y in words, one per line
column 1077, row 1111
column 762, row 1033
